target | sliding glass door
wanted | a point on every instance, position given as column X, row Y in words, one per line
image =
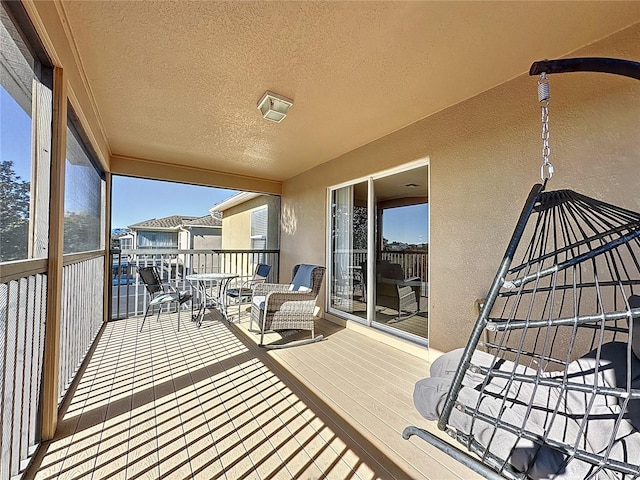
column 349, row 240
column 379, row 248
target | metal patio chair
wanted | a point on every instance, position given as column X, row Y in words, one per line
column 244, row 292
column 160, row 293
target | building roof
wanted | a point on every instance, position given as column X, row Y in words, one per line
column 232, row 201
column 174, row 222
column 214, row 220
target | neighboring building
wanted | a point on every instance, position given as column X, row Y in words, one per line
column 126, row 242
column 250, row 221
column 178, row 232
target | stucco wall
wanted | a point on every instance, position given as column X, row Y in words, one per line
column 206, row 238
column 236, row 223
column 485, row 156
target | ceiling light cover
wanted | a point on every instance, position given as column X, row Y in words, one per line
column 274, row 107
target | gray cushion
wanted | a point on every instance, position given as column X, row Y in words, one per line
column 258, row 301
column 534, row 407
column 302, row 280
column 165, row 297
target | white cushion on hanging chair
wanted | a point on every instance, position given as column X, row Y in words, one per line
column 533, row 407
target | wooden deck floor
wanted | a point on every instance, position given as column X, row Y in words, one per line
column 209, row 403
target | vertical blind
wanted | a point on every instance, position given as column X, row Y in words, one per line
column 259, row 220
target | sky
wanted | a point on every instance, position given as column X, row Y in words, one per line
column 15, row 135
column 136, row 200
column 406, row 224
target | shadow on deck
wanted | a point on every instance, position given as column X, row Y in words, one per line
column 209, row 403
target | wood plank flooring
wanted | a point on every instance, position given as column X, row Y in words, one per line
column 209, row 403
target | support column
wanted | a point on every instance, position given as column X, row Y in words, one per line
column 49, row 401
column 107, row 246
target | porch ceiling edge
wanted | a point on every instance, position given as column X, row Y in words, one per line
column 145, row 168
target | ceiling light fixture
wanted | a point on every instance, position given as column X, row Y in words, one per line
column 274, row 107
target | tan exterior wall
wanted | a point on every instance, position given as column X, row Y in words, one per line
column 205, row 240
column 485, row 155
column 236, row 223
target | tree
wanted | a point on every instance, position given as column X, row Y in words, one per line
column 14, row 214
column 81, row 232
column 360, row 227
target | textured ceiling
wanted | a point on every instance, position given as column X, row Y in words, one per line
column 178, row 81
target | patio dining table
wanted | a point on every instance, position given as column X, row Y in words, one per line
column 218, row 282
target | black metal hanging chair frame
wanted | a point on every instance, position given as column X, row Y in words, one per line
column 582, row 251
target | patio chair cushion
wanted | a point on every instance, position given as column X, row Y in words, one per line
column 302, row 280
column 180, row 297
column 510, row 403
column 236, row 292
column 258, row 301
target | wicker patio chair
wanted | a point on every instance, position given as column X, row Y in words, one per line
column 277, row 307
column 394, row 290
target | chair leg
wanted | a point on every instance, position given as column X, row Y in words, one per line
column 261, row 324
column 257, row 321
column 295, row 343
column 146, row 312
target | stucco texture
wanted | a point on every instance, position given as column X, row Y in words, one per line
column 236, row 223
column 485, row 155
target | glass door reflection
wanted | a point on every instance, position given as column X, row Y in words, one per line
column 401, row 245
column 349, row 249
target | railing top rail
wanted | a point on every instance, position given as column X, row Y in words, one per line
column 71, row 258
column 22, row 268
column 174, row 251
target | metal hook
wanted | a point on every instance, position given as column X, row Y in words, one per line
column 546, row 171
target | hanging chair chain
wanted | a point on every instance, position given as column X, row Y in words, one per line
column 546, row 170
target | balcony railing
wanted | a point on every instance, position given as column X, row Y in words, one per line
column 413, row 263
column 22, row 330
column 23, row 314
column 128, row 295
column 82, row 313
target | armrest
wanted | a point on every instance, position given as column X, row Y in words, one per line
column 240, row 282
column 297, row 301
column 262, row 289
column 169, row 288
column 413, row 281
